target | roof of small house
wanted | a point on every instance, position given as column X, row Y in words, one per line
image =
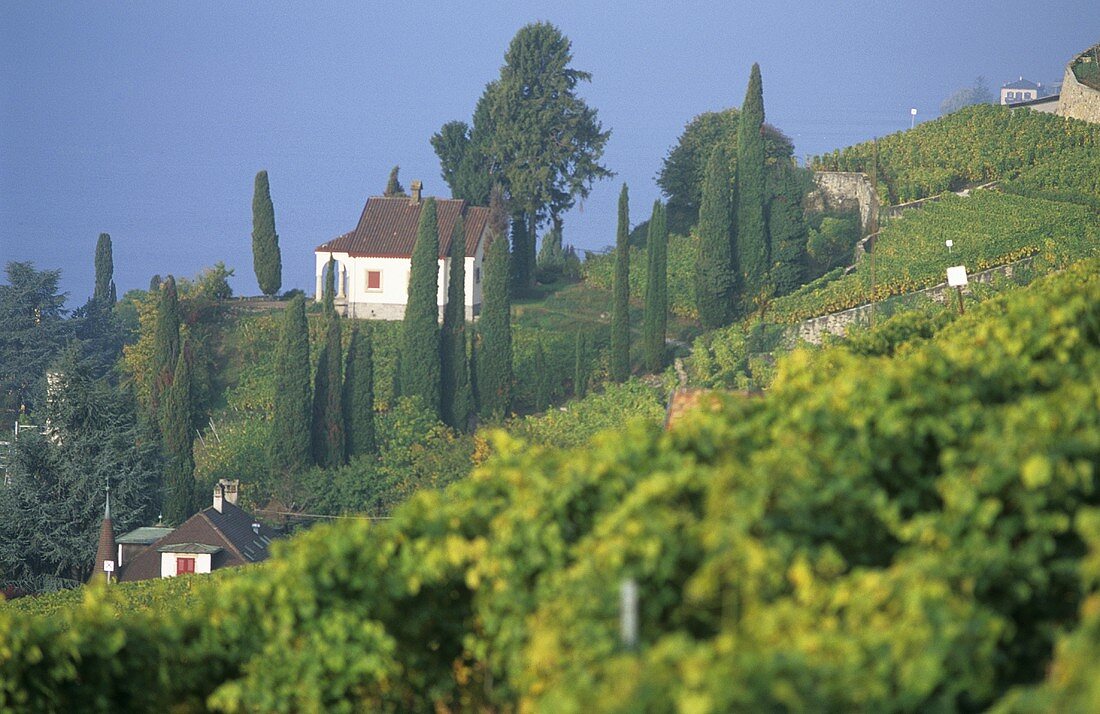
column 230, row 531
column 1021, row 83
column 387, row 228
column 145, row 535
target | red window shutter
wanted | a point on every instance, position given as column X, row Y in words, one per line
column 185, row 565
column 374, row 279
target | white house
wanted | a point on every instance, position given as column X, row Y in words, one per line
column 1022, row 90
column 373, row 261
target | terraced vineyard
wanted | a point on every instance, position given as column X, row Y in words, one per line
column 974, row 145
column 988, row 229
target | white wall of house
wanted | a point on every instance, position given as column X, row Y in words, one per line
column 387, row 302
column 168, row 563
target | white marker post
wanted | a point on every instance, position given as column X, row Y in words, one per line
column 108, row 567
column 912, row 118
column 956, row 278
column 949, row 243
column 628, row 613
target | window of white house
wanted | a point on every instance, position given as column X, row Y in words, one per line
column 477, row 275
column 374, row 280
column 185, row 566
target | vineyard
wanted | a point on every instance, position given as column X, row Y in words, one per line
column 987, row 229
column 599, row 270
column 917, row 529
column 972, row 146
column 1073, row 177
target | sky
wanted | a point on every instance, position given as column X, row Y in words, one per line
column 149, row 121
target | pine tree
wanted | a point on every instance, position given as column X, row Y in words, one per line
column 580, row 367
column 494, row 353
column 328, row 411
column 786, row 227
column 266, row 260
column 620, row 305
column 179, row 467
column 290, row 451
column 394, row 189
column 359, row 394
column 753, row 256
column 104, row 272
column 166, row 341
column 715, row 274
column 420, row 332
column 656, row 292
column 456, row 399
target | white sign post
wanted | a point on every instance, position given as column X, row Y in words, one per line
column 956, row 278
column 108, row 567
column 949, row 243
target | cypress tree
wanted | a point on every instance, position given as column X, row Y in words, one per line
column 580, row 367
column 179, row 464
column 456, row 398
column 786, row 228
column 328, row 289
column 494, row 354
column 289, row 451
column 521, row 271
column 328, row 413
column 420, row 332
column 394, row 189
column 154, row 283
column 166, row 341
column 266, row 260
column 620, row 305
column 359, row 394
column 715, row 275
column 656, row 291
column 104, row 272
column 753, row 254
column 542, row 383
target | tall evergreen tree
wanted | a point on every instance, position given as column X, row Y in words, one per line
column 620, row 289
column 494, row 353
column 289, row 450
column 328, row 289
column 359, row 393
column 656, row 291
column 328, row 408
column 178, row 440
column 154, row 283
column 542, row 379
column 715, row 273
column 420, row 372
column 104, row 272
column 580, row 367
column 456, row 399
column 753, row 253
column 394, row 189
column 786, row 227
column 166, row 341
column 523, row 269
column 266, row 259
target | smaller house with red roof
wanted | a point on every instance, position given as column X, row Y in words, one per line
column 220, row 536
column 373, row 261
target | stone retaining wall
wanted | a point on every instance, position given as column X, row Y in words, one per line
column 1077, row 100
column 815, row 329
column 844, row 191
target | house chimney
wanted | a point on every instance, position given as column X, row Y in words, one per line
column 219, row 496
column 230, row 489
column 414, row 189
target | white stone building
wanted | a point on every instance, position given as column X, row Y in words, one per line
column 373, row 261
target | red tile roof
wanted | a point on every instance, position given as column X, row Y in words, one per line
column 387, row 228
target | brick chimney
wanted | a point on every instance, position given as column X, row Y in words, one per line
column 414, row 189
column 225, row 491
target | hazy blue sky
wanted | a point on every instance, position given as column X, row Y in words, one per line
column 150, row 120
